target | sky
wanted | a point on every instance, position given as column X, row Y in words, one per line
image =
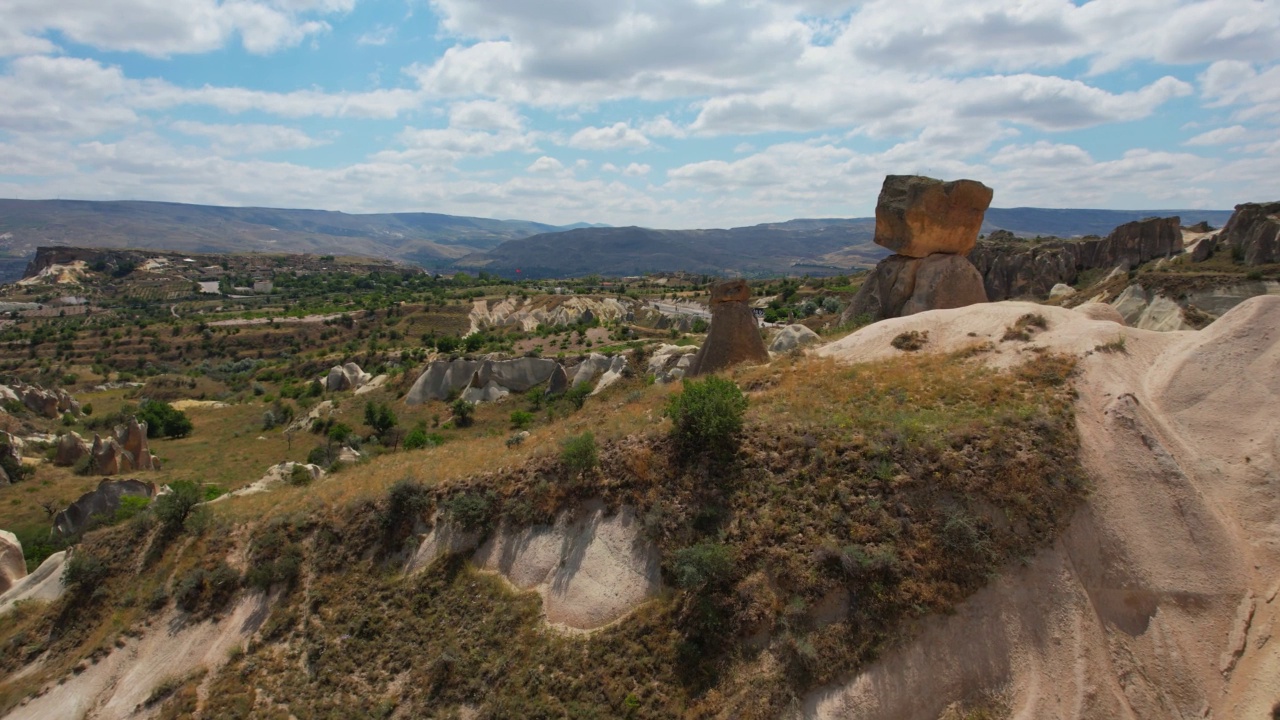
column 662, row 113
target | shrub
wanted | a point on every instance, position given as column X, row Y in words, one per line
column 577, row 395
column 707, row 416
column 299, row 476
column 163, row 420
column 463, row 412
column 84, row 573
column 521, row 419
column 406, row 501
column 469, row 511
column 706, row 563
column 380, row 418
column 419, row 438
column 175, row 507
column 911, row 341
column 579, row 453
column 131, row 506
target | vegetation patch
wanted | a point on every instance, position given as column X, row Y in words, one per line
column 910, row 341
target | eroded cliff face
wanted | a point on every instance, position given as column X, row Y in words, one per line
column 1013, row 268
column 1253, row 232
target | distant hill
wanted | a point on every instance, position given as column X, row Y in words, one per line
column 1072, row 223
column 798, row 246
column 445, row 242
column 429, row 239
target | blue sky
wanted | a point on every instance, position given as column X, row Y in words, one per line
column 664, row 113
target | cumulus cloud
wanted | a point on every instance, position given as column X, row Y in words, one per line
column 1220, row 136
column 248, row 139
column 615, row 137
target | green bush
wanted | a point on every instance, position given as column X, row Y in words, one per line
column 579, row 453
column 521, row 419
column 299, row 476
column 469, row 511
column 419, row 438
column 163, row 420
column 83, row 574
column 131, row 506
column 463, row 412
column 406, row 501
column 380, row 418
column 706, row 563
column 175, row 507
column 707, row 416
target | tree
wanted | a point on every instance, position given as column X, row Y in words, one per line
column 173, row 508
column 163, row 420
column 380, row 418
column 463, row 412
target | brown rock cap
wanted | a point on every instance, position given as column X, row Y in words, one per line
column 918, row 216
column 734, row 336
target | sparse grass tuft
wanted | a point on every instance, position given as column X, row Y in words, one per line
column 911, row 340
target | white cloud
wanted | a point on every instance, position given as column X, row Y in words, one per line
column 163, row 27
column 377, row 37
column 546, row 164
column 637, row 170
column 248, row 139
column 618, row 136
column 484, row 115
column 1220, row 136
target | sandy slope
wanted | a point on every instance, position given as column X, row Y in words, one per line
column 1160, row 599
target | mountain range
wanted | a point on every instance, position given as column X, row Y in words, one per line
column 444, row 243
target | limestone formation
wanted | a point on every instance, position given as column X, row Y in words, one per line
column 12, row 565
column 1254, row 233
column 591, row 368
column 123, row 451
column 559, row 381
column 670, row 362
column 616, row 371
column 901, row 286
column 734, row 336
column 480, row 380
column 346, row 377
column 919, row 216
column 71, row 447
column 51, row 403
column 1012, row 268
column 792, row 337
column 1100, row 311
column 101, row 502
column 1061, row 290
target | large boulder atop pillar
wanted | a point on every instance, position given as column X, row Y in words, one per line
column 734, row 336
column 919, row 216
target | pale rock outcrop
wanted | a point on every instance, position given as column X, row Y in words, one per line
column 616, row 371
column 303, row 423
column 670, row 362
column 1100, row 311
column 12, row 565
column 43, row 585
column 549, row 310
column 372, row 385
column 791, row 337
column 348, row 456
column 348, row 376
column 50, row 403
column 590, row 568
column 102, row 501
column 1163, row 315
column 591, row 368
column 1130, row 304
column 441, row 379
column 1159, row 598
column 71, row 447
column 558, row 384
column 1061, row 290
column 918, row 216
column 480, row 380
column 275, row 476
column 734, row 336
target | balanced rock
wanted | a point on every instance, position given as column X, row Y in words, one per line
column 12, row 565
column 101, row 502
column 919, row 216
column 734, row 336
column 1254, row 232
column 901, row 286
column 792, row 337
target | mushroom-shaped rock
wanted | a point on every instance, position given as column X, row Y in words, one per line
column 901, row 286
column 734, row 336
column 792, row 337
column 12, row 565
column 919, row 216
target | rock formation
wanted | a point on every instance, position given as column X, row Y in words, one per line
column 12, row 565
column 104, row 501
column 346, row 377
column 51, row 403
column 616, row 371
column 792, row 337
column 734, row 336
column 1013, row 268
column 11, row 448
column 479, row 380
column 124, row 451
column 71, row 447
column 559, row 381
column 930, row 225
column 591, row 368
column 919, row 216
column 1254, row 233
column 1100, row 311
column 670, row 362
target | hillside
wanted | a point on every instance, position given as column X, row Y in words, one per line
column 1066, row 223
column 429, row 239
